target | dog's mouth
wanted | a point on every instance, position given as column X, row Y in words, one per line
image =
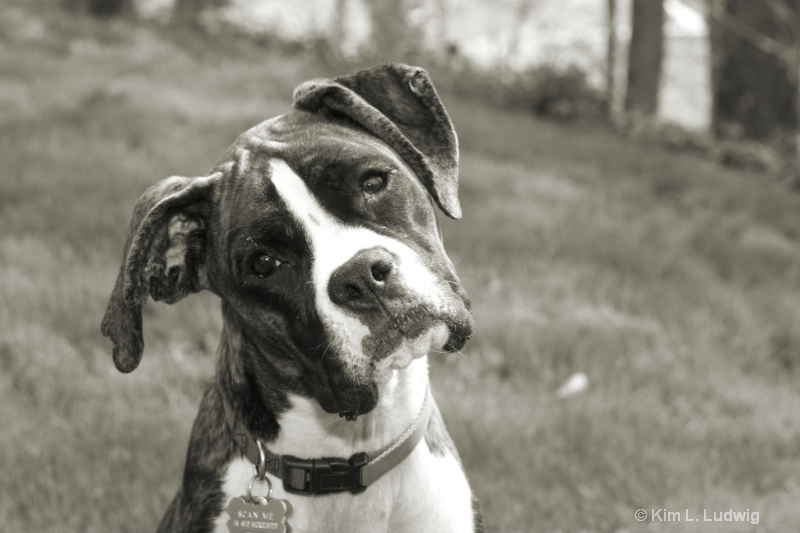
column 353, row 389
column 418, row 331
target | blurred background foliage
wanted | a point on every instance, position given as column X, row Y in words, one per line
column 728, row 69
column 631, row 243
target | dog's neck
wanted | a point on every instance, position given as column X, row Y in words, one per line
column 290, row 423
column 306, row 430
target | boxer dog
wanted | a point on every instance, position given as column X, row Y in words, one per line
column 317, row 230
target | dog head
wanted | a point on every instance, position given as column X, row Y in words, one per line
column 318, row 231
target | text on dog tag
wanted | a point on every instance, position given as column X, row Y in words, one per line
column 261, row 515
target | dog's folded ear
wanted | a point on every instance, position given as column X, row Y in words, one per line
column 398, row 104
column 163, row 258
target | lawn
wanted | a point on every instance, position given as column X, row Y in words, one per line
column 670, row 282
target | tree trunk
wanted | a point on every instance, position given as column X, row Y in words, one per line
column 754, row 72
column 645, row 54
column 611, row 55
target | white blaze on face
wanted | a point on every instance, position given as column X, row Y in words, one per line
column 333, row 244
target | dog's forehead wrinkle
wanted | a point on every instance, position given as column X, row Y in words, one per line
column 244, row 161
column 313, row 142
column 356, row 155
column 266, row 145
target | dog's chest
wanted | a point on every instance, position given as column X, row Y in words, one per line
column 425, row 493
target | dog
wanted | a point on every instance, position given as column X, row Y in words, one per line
column 317, row 229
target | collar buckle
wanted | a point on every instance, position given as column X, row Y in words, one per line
column 323, row 476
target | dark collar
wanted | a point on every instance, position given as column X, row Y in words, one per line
column 329, row 475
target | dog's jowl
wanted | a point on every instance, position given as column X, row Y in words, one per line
column 317, row 230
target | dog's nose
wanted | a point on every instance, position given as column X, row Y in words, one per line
column 360, row 282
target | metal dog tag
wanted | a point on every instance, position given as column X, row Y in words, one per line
column 259, row 515
column 251, row 514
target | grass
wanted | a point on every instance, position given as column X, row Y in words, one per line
column 671, row 283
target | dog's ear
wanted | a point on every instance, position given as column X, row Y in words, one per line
column 163, row 258
column 398, row 104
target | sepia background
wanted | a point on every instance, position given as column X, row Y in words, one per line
column 631, row 243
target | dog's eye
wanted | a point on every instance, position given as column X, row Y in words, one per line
column 373, row 184
column 264, row 265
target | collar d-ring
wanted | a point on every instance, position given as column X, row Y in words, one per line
column 261, row 467
column 259, row 499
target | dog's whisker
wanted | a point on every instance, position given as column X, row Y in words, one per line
column 314, row 348
column 457, row 353
column 330, row 345
column 227, row 233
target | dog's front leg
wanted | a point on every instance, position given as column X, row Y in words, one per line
column 199, row 501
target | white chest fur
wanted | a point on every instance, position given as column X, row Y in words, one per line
column 424, row 493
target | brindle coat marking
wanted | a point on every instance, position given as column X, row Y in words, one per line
column 189, row 234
